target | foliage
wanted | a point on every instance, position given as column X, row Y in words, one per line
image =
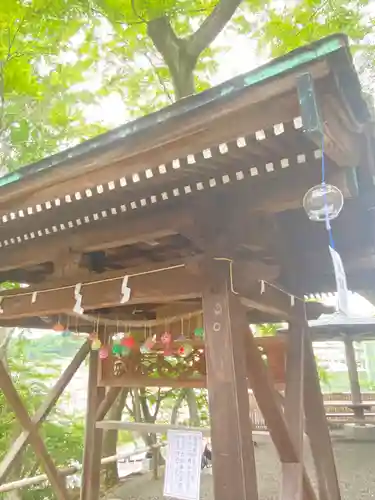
column 266, row 329
column 46, row 347
column 41, row 64
column 282, row 29
column 62, row 433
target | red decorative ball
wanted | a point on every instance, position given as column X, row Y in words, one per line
column 181, row 351
column 128, row 342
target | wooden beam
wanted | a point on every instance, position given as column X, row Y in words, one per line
column 90, row 483
column 266, row 298
column 317, row 429
column 159, row 285
column 146, row 428
column 233, row 450
column 165, row 286
column 42, row 413
column 11, row 395
column 292, row 473
column 121, row 230
column 269, row 403
column 107, row 402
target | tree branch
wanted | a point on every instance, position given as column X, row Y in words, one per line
column 211, row 27
column 157, row 405
column 165, row 40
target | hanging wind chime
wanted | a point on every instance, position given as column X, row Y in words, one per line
column 323, row 203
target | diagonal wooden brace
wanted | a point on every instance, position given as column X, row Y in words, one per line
column 42, row 413
column 270, row 406
column 10, row 393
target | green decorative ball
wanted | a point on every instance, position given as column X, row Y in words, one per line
column 199, row 333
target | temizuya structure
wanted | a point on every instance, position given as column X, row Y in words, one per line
column 196, row 212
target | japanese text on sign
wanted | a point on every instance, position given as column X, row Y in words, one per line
column 183, row 468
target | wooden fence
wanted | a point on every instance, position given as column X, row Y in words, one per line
column 259, row 424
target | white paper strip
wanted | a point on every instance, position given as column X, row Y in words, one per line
column 125, row 290
column 342, row 289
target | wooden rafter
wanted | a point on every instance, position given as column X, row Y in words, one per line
column 42, row 413
column 11, row 395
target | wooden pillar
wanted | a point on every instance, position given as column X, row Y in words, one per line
column 92, row 453
column 292, row 472
column 225, row 327
column 355, row 388
column 317, row 429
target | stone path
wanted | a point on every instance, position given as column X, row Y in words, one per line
column 355, row 462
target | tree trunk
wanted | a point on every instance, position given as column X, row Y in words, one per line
column 191, row 399
column 177, row 406
column 110, row 472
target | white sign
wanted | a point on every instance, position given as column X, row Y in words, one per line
column 342, row 289
column 183, row 468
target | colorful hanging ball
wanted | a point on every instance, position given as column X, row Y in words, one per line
column 166, row 338
column 58, row 327
column 103, row 352
column 199, row 333
column 117, row 349
column 96, row 345
column 148, row 344
column 125, row 350
column 128, row 342
column 185, row 350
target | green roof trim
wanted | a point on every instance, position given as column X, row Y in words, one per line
column 9, row 178
column 192, row 104
column 292, row 62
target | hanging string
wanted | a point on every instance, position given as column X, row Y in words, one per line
column 327, row 221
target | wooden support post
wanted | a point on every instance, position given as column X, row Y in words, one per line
column 233, row 450
column 90, row 488
column 42, row 413
column 292, row 473
column 11, row 395
column 317, row 429
column 269, row 404
column 355, row 387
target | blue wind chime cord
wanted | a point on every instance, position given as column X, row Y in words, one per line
column 327, row 221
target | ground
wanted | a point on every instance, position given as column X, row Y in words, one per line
column 355, row 463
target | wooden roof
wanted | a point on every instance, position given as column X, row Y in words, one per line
column 233, row 161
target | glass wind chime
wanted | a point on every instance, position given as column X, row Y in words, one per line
column 323, row 203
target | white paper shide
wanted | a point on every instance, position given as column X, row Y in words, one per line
column 342, row 288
